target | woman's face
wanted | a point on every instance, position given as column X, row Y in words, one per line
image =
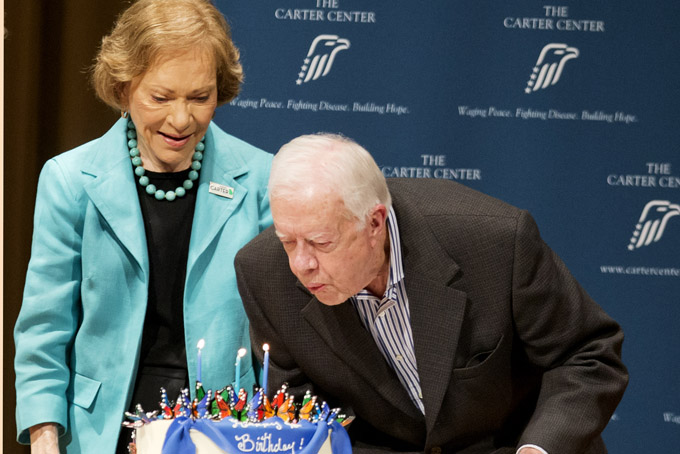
column 172, row 104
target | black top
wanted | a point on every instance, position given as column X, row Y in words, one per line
column 162, row 361
column 168, row 229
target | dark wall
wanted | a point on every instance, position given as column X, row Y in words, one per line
column 49, row 108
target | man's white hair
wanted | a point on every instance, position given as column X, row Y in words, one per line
column 329, row 164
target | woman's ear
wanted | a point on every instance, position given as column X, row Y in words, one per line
column 123, row 95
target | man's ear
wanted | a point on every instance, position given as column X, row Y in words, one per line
column 378, row 219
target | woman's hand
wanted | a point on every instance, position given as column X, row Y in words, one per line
column 44, row 438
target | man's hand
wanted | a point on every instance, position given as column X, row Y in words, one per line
column 529, row 450
column 44, row 438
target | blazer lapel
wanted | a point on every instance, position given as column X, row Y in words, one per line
column 344, row 334
column 212, row 211
column 437, row 311
column 436, row 318
column 114, row 194
column 436, row 308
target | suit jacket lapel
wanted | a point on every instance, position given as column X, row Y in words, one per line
column 212, row 211
column 113, row 191
column 436, row 318
column 114, row 194
column 344, row 334
column 436, row 308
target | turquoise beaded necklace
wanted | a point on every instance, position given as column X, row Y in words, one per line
column 159, row 194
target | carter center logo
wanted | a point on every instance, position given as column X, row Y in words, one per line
column 320, row 57
column 652, row 223
column 549, row 66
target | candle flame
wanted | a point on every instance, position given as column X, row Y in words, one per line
column 200, row 344
column 265, row 347
column 242, row 352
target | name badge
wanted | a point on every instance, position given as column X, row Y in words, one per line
column 221, row 190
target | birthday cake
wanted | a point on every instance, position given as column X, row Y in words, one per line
column 232, row 424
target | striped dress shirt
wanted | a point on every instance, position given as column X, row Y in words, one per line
column 389, row 321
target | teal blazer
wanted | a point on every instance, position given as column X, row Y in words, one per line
column 79, row 331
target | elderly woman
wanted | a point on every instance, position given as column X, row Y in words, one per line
column 135, row 236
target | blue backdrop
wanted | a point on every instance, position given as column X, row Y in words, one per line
column 569, row 110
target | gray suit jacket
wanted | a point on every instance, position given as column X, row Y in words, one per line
column 509, row 348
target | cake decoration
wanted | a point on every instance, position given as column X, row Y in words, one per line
column 227, row 421
column 265, row 367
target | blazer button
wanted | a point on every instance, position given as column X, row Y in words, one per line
column 436, row 450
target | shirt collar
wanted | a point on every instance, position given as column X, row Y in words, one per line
column 396, row 271
column 396, row 267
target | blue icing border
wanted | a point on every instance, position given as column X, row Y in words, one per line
column 272, row 436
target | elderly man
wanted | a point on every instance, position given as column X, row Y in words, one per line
column 433, row 313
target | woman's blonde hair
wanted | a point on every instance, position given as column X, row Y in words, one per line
column 150, row 29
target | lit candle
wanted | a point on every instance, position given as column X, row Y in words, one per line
column 241, row 353
column 200, row 346
column 265, row 375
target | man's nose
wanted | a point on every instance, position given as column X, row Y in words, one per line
column 304, row 260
